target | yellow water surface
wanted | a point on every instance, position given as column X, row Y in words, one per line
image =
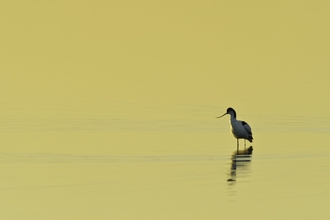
column 107, row 109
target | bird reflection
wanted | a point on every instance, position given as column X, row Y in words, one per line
column 240, row 161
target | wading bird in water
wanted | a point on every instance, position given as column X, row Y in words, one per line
column 240, row 129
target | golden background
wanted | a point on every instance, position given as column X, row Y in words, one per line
column 268, row 55
column 86, row 83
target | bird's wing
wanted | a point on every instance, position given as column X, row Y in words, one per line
column 247, row 127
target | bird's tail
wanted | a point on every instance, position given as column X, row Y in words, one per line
column 250, row 138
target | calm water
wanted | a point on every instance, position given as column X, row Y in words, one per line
column 107, row 109
column 178, row 167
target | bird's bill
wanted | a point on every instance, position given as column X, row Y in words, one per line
column 222, row 115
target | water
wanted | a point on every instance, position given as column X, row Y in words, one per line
column 107, row 109
column 82, row 168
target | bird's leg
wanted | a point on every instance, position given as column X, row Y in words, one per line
column 244, row 144
column 237, row 144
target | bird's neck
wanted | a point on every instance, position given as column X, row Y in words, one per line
column 232, row 117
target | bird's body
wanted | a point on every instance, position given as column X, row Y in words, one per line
column 240, row 129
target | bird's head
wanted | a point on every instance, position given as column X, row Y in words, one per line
column 230, row 111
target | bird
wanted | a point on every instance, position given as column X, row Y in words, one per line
column 240, row 129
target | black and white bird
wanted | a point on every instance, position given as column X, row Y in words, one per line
column 240, row 129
